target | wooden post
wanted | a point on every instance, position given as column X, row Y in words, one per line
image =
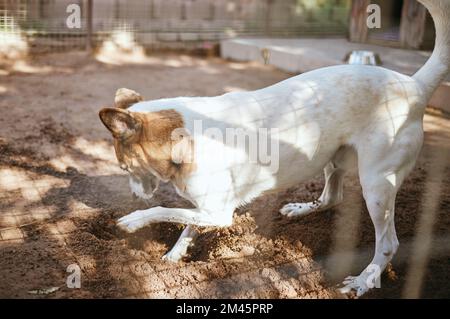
column 41, row 9
column 212, row 10
column 268, row 17
column 89, row 24
column 412, row 27
column 358, row 20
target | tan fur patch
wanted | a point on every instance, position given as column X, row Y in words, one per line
column 151, row 148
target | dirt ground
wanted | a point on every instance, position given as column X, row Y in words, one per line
column 61, row 192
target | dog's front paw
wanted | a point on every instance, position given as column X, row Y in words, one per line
column 297, row 209
column 172, row 257
column 358, row 284
column 132, row 222
column 178, row 251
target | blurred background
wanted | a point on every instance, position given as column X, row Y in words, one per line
column 191, row 23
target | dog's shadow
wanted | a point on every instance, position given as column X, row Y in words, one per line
column 105, row 198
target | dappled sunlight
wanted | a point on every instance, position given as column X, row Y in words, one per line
column 60, row 228
column 103, row 155
column 175, row 63
column 311, row 139
column 438, row 130
column 423, row 241
column 125, row 51
column 308, row 95
column 437, row 123
column 24, row 218
column 121, row 48
column 392, row 179
column 77, row 207
column 63, row 162
column 11, row 235
column 246, row 65
column 13, row 45
column 25, row 67
column 209, row 70
column 109, row 55
column 229, row 89
column 44, row 184
column 11, row 179
column 291, row 50
column 30, row 194
column 238, row 66
column 29, row 66
column 99, row 149
column 57, row 232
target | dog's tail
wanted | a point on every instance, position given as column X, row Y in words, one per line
column 438, row 66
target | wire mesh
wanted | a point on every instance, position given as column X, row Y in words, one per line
column 170, row 23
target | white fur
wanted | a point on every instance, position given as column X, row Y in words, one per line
column 326, row 118
column 179, row 250
column 138, row 190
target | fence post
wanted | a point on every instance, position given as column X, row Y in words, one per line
column 89, row 16
column 413, row 24
column 268, row 17
column 358, row 21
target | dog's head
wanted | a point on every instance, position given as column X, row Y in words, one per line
column 150, row 146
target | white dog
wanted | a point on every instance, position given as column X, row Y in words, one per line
column 332, row 119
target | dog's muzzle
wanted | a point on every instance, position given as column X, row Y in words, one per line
column 144, row 187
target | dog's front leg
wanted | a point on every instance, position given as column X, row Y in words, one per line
column 179, row 250
column 199, row 217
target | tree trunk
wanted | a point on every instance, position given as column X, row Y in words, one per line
column 358, row 20
column 412, row 28
column 268, row 17
column 89, row 25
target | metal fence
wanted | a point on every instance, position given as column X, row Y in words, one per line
column 170, row 23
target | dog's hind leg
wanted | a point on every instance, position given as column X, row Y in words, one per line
column 381, row 172
column 179, row 250
column 332, row 193
column 379, row 194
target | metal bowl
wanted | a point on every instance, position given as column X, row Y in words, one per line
column 363, row 57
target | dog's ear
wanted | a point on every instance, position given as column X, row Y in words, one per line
column 125, row 98
column 121, row 123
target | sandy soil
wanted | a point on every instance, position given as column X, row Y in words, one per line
column 61, row 192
